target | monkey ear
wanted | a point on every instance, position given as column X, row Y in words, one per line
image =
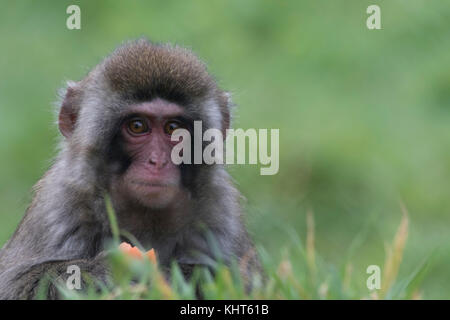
column 68, row 113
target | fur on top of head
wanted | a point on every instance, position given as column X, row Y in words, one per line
column 141, row 70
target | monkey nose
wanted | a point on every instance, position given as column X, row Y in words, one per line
column 159, row 162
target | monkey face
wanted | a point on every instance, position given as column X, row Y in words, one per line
column 151, row 179
column 118, row 121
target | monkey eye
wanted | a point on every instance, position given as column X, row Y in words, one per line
column 171, row 126
column 137, row 126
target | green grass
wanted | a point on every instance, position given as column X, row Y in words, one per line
column 300, row 274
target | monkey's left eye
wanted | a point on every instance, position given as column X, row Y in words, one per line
column 137, row 126
column 171, row 126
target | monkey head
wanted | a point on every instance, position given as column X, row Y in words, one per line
column 118, row 120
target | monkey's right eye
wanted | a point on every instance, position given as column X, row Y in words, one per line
column 137, row 126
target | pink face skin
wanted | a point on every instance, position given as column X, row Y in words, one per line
column 151, row 180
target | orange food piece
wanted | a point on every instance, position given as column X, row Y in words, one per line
column 135, row 253
column 151, row 255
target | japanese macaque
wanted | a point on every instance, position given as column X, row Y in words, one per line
column 116, row 125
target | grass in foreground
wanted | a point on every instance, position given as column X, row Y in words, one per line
column 300, row 274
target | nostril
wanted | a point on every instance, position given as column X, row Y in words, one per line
column 158, row 162
column 155, row 162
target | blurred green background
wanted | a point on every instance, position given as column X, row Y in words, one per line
column 363, row 114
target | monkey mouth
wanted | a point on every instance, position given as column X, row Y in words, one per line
column 152, row 185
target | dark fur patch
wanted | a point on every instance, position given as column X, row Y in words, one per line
column 142, row 70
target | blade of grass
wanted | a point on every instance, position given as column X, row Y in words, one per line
column 395, row 255
column 112, row 219
column 310, row 248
